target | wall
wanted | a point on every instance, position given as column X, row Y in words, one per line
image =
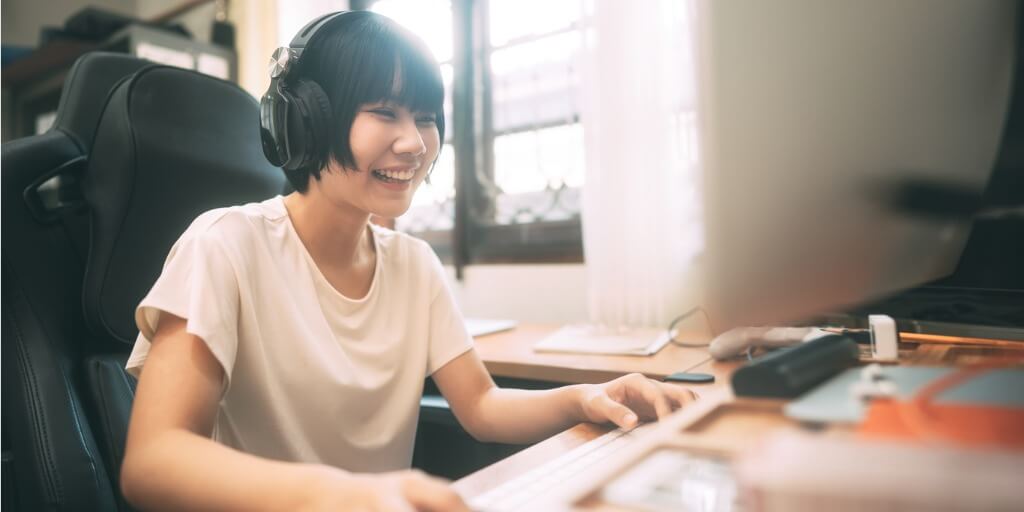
column 548, row 294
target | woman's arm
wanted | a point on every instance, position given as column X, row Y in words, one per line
column 172, row 464
column 492, row 414
column 170, row 461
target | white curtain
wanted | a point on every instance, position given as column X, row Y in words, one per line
column 641, row 211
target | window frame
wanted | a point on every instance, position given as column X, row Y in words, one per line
column 473, row 239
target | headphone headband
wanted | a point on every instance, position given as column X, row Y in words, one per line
column 302, row 38
column 285, row 58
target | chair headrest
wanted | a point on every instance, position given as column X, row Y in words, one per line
column 91, row 77
column 170, row 144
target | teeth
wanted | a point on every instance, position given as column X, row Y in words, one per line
column 397, row 175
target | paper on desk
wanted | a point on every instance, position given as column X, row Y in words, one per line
column 484, row 326
column 590, row 339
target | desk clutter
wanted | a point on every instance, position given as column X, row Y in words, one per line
column 818, row 425
column 790, row 371
column 848, row 397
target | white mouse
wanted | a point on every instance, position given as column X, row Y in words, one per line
column 736, row 341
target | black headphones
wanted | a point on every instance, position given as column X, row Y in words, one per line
column 294, row 113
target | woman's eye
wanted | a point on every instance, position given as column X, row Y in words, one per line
column 390, row 114
column 426, row 120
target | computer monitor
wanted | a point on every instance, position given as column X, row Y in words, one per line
column 984, row 296
column 818, row 120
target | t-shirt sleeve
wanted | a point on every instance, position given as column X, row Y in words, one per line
column 200, row 284
column 448, row 335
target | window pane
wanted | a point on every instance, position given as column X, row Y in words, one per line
column 539, row 174
column 536, row 83
column 513, row 20
column 291, row 17
column 429, row 19
column 538, row 143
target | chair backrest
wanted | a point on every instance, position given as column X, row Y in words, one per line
column 51, row 457
column 85, row 91
column 168, row 144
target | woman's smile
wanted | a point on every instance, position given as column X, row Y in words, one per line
column 395, row 178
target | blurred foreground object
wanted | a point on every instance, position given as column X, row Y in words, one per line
column 794, row 472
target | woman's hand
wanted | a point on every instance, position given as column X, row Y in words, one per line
column 400, row 491
column 631, row 398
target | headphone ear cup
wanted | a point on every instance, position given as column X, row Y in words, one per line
column 309, row 123
column 273, row 119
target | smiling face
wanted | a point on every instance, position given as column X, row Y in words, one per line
column 393, row 149
column 387, row 106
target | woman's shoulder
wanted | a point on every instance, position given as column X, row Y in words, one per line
column 236, row 225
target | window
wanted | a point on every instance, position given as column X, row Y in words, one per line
column 507, row 185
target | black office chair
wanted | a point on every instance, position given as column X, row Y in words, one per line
column 51, row 459
column 169, row 144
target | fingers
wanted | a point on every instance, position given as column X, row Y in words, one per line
column 680, row 395
column 654, row 396
column 628, row 398
column 429, row 494
column 615, row 412
column 663, row 398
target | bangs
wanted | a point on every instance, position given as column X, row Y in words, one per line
column 401, row 71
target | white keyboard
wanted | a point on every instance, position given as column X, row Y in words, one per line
column 519, row 491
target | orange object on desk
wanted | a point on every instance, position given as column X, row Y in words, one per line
column 923, row 419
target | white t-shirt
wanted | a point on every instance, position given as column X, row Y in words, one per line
column 311, row 375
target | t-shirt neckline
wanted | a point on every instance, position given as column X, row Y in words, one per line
column 318, row 275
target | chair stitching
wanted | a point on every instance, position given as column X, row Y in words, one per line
column 53, row 487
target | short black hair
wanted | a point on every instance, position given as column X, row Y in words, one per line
column 356, row 59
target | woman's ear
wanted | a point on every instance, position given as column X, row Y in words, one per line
column 426, row 179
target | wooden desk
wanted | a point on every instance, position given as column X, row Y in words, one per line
column 511, row 354
column 718, row 422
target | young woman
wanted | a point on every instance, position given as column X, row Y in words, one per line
column 282, row 351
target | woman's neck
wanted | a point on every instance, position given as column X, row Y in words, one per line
column 334, row 235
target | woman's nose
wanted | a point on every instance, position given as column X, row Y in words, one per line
column 409, row 140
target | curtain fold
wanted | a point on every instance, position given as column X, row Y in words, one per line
column 641, row 209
